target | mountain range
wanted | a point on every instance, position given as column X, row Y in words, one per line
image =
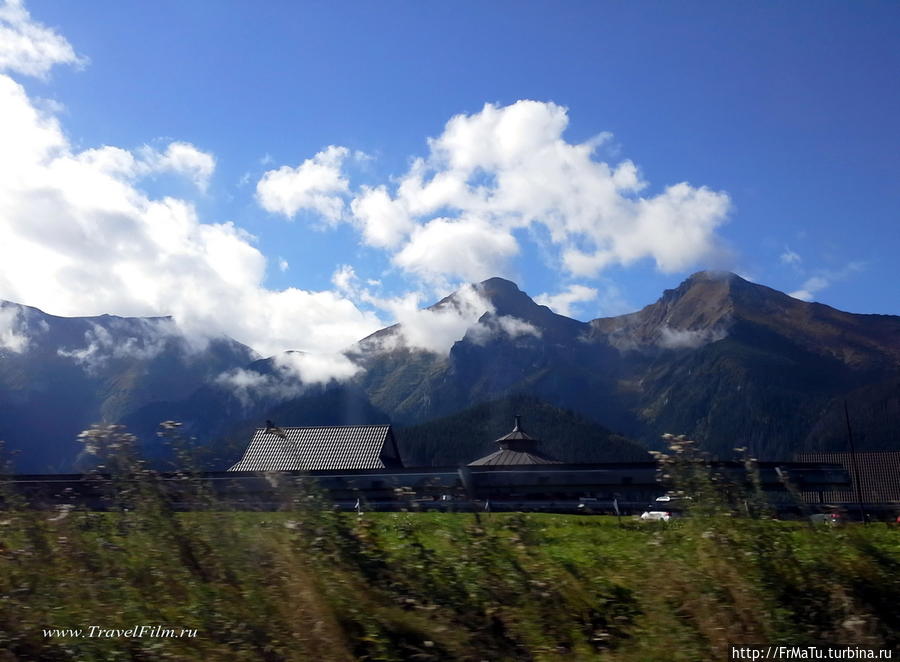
column 721, row 359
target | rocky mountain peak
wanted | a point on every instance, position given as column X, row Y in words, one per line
column 508, row 299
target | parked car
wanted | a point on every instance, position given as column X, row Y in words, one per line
column 664, row 508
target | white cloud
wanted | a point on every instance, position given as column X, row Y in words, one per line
column 790, row 257
column 433, row 329
column 466, row 248
column 454, row 214
column 566, row 301
column 607, row 300
column 79, row 237
column 687, row 338
column 385, row 222
column 824, row 278
column 510, row 167
column 283, row 265
column 317, row 368
column 316, row 185
column 149, row 339
column 249, row 386
column 13, row 332
column 491, row 327
column 346, row 280
column 28, row 47
column 807, row 291
column 179, row 157
column 182, row 158
column 294, row 372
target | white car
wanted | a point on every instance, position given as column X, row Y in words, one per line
column 662, row 510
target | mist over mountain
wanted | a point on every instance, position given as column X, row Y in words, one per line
column 726, row 361
column 59, row 375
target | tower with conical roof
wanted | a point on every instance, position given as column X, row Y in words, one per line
column 516, row 448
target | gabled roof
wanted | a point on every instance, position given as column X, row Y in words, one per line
column 320, row 448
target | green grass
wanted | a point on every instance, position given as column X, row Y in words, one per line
column 309, row 584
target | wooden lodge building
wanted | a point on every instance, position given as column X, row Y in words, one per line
column 362, row 462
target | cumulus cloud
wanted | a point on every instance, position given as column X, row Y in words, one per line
column 345, row 279
column 566, row 301
column 466, row 248
column 28, row 47
column 78, row 236
column 182, row 158
column 385, row 222
column 455, row 213
column 315, row 185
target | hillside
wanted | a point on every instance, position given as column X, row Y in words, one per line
column 718, row 358
column 59, row 375
column 470, row 434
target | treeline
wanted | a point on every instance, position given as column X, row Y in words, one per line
column 470, row 434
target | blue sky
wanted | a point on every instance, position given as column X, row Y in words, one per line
column 781, row 118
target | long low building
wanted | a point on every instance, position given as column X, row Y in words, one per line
column 552, row 487
column 360, row 466
column 874, row 481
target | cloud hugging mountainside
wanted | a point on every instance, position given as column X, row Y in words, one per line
column 721, row 359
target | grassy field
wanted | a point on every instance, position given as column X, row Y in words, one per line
column 309, row 583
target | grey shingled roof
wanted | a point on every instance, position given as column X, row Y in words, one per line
column 517, row 447
column 879, row 474
column 508, row 457
column 321, row 448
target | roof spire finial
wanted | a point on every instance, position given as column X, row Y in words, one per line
column 271, row 428
column 518, row 427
